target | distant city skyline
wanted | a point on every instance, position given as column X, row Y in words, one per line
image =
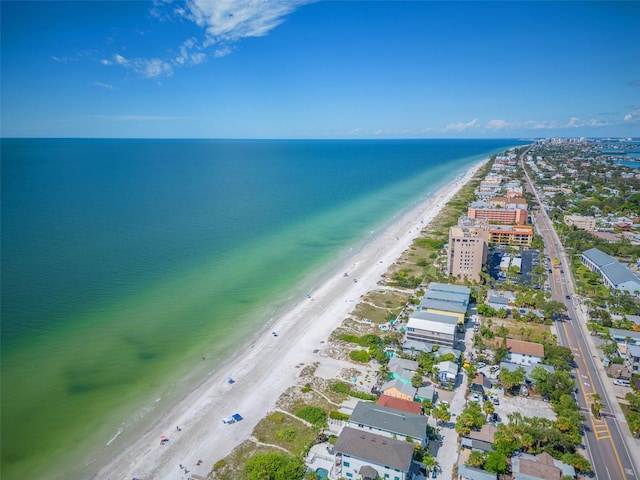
column 320, row 69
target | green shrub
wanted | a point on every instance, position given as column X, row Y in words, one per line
column 341, row 387
column 361, row 356
column 335, row 415
column 314, row 415
column 363, row 396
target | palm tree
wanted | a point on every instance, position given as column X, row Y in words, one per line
column 429, row 461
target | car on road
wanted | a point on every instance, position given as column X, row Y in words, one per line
column 568, row 297
column 495, row 401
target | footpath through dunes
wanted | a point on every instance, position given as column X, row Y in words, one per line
column 268, row 366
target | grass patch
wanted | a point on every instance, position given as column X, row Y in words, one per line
column 529, row 332
column 278, row 428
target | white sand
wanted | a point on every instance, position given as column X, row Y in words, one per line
column 268, row 366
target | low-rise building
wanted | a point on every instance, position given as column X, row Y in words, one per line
column 614, row 275
column 520, row 235
column 398, row 389
column 446, row 299
column 369, row 456
column 447, row 372
column 625, row 336
column 424, row 326
column 521, row 352
column 580, row 221
column 389, row 422
column 481, row 440
column 539, row 467
column 402, row 369
column 400, row 404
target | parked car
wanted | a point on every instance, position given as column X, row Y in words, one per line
column 494, row 368
column 622, row 383
column 495, row 401
column 481, row 364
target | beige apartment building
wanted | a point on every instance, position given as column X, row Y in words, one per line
column 468, row 247
column 581, row 222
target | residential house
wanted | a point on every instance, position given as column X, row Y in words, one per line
column 400, row 404
column 427, row 392
column 501, row 300
column 539, row 467
column 402, row 369
column 389, row 422
column 396, row 388
column 480, row 384
column 470, row 473
column 481, row 440
column 370, row 456
column 413, row 347
column 521, row 352
column 527, row 369
column 447, row 372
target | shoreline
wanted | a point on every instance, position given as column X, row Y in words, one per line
column 266, row 367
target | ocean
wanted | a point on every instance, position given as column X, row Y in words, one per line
column 131, row 268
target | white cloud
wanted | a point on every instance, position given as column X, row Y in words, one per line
column 147, row 67
column 228, row 21
column 633, row 116
column 574, row 122
column 460, row 127
column 497, row 125
column 224, row 22
column 103, row 85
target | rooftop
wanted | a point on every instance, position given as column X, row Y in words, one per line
column 375, row 448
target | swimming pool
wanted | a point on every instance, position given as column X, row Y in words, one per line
column 322, row 473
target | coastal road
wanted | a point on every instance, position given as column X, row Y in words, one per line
column 608, row 441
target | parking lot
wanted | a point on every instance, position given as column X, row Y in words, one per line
column 530, row 260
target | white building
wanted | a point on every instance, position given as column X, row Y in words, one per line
column 368, row 456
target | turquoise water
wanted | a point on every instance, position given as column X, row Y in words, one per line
column 125, row 262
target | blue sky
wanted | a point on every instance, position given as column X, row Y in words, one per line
column 327, row 69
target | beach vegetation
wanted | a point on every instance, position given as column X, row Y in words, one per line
column 286, row 432
column 368, row 340
column 363, row 395
column 314, row 415
column 274, row 466
column 361, row 356
column 341, row 387
column 335, row 415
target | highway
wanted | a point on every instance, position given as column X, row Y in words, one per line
column 613, row 453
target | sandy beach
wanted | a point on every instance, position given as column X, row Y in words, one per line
column 269, row 365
